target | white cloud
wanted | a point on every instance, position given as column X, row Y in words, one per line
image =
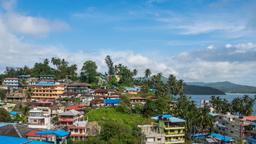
column 32, row 25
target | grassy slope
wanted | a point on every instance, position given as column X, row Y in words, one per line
column 109, row 114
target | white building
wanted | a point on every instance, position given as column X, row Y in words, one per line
column 12, row 83
column 40, row 118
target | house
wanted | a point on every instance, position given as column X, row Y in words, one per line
column 40, row 118
column 78, row 107
column 78, row 131
column 16, row 96
column 172, row 127
column 97, row 103
column 13, row 129
column 32, row 135
column 101, row 92
column 137, row 100
column 112, row 102
column 132, row 90
column 152, row 134
column 77, row 89
column 87, row 98
column 223, row 139
column 167, row 129
column 11, row 83
column 46, row 77
column 231, row 125
column 46, row 90
column 75, row 124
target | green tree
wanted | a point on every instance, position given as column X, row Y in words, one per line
column 147, row 73
column 89, row 72
column 63, row 69
column 125, row 75
column 110, row 64
column 42, row 69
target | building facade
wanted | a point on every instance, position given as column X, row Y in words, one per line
column 73, row 121
column 11, row 83
column 166, row 130
column 40, row 118
column 45, row 90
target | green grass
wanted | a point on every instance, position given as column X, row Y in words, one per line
column 110, row 114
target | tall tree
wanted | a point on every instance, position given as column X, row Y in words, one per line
column 110, row 64
column 135, row 72
column 42, row 68
column 63, row 69
column 147, row 73
column 89, row 72
column 125, row 75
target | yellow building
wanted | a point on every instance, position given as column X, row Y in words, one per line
column 45, row 90
column 173, row 129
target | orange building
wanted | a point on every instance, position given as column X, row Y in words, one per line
column 45, row 90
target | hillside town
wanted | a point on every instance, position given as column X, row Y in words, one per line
column 46, row 104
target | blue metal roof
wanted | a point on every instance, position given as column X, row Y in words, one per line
column 199, row 136
column 133, row 88
column 222, row 137
column 58, row 133
column 13, row 113
column 112, row 101
column 16, row 140
column 45, row 83
column 169, row 117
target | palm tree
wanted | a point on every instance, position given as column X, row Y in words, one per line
column 147, row 73
column 135, row 72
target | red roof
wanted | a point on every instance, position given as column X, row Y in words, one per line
column 32, row 133
column 76, row 107
column 77, row 135
column 249, row 118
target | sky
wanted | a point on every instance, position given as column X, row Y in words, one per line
column 197, row 40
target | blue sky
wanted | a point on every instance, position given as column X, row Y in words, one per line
column 197, row 40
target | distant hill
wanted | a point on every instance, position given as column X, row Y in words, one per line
column 201, row 90
column 198, row 90
column 226, row 87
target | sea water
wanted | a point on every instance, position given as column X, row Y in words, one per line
column 229, row 96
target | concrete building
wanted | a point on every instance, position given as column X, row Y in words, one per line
column 152, row 134
column 76, row 89
column 16, row 96
column 166, row 130
column 40, row 118
column 11, row 83
column 45, row 90
column 73, row 121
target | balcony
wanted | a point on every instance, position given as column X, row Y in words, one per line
column 174, row 134
column 67, row 119
column 175, row 141
column 174, row 127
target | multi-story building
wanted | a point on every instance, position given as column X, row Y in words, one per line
column 45, row 90
column 16, row 96
column 172, row 127
column 166, row 130
column 40, row 118
column 137, row 100
column 11, row 83
column 233, row 125
column 152, row 134
column 76, row 89
column 132, row 90
column 73, row 121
